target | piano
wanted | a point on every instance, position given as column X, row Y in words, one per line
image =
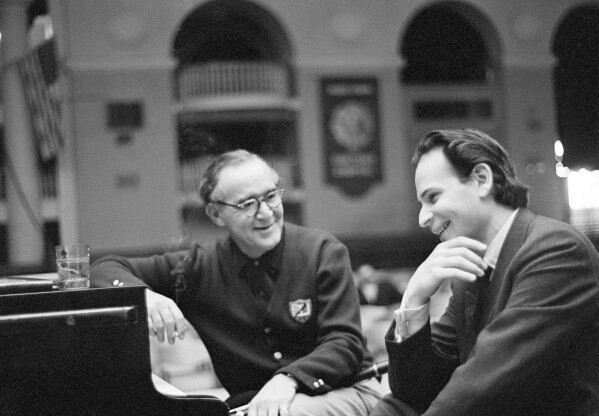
column 83, row 352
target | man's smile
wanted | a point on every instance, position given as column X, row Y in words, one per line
column 440, row 230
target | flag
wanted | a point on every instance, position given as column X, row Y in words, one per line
column 39, row 73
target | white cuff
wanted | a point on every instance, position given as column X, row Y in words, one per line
column 410, row 321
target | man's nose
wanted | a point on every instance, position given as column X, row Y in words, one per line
column 424, row 217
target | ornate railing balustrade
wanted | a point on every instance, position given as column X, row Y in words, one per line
column 232, row 78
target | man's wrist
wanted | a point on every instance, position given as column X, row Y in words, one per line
column 293, row 380
column 412, row 301
column 409, row 321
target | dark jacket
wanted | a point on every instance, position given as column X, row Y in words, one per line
column 538, row 352
column 311, row 329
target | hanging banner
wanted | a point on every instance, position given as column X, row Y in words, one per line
column 351, row 133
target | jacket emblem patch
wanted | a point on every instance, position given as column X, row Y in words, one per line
column 301, row 310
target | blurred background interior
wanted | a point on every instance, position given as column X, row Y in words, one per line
column 110, row 110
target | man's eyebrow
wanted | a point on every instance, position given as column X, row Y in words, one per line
column 256, row 196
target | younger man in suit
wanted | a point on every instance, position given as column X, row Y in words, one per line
column 526, row 342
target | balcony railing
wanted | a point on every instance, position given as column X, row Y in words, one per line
column 232, row 78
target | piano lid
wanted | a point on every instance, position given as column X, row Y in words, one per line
column 83, row 352
column 26, row 284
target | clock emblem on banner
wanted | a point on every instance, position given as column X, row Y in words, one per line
column 352, row 125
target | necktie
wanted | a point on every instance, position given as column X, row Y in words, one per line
column 483, row 303
column 260, row 284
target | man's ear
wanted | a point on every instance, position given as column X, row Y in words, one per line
column 483, row 176
column 214, row 214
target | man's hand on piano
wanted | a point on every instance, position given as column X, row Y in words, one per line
column 165, row 319
column 274, row 398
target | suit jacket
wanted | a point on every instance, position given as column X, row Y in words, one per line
column 538, row 350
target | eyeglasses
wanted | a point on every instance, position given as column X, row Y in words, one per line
column 250, row 207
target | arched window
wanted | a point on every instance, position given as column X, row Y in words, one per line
column 576, row 78
column 442, row 46
column 232, row 47
column 234, row 86
column 452, row 58
column 230, row 30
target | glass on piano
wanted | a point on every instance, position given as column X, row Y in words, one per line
column 72, row 263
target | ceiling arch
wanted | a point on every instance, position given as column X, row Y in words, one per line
column 226, row 30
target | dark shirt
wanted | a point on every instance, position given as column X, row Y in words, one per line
column 260, row 274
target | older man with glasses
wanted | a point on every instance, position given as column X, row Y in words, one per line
column 274, row 302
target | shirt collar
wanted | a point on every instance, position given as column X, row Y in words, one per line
column 492, row 253
column 269, row 261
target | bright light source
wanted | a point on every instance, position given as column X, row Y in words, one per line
column 583, row 189
column 561, row 171
column 558, row 148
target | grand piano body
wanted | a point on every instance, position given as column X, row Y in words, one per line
column 83, row 352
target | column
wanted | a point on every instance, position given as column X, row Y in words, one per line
column 68, row 217
column 25, row 232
